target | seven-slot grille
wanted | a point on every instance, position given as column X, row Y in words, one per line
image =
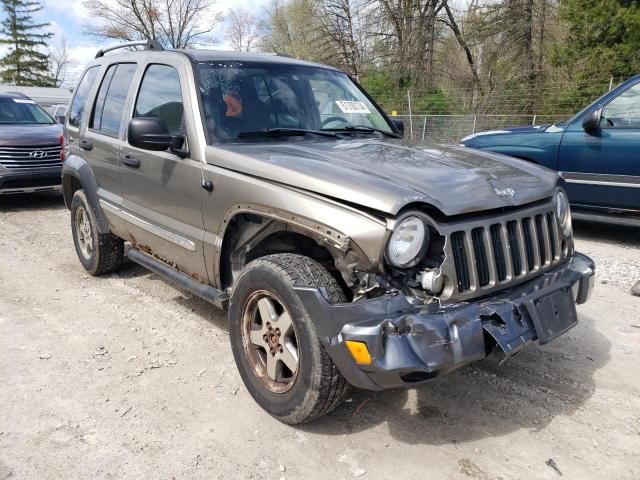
column 30, row 157
column 496, row 253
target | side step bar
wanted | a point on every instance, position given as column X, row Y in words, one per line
column 212, row 295
column 611, row 218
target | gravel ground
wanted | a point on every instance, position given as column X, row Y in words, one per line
column 125, row 377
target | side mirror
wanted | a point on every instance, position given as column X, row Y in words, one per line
column 591, row 121
column 399, row 124
column 151, row 133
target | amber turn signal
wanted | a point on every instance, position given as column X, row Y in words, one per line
column 359, row 352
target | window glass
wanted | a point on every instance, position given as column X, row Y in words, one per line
column 624, row 110
column 241, row 98
column 109, row 106
column 76, row 111
column 160, row 97
column 22, row 111
column 96, row 117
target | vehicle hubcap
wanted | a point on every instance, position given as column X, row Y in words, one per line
column 83, row 231
column 270, row 341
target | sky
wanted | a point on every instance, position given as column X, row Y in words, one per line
column 69, row 19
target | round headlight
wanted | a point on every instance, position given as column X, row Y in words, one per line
column 563, row 211
column 407, row 242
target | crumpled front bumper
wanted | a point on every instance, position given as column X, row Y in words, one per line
column 409, row 344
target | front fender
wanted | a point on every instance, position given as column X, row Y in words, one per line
column 76, row 168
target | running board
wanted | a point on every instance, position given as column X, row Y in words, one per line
column 206, row 292
column 611, row 218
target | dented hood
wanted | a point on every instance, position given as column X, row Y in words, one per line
column 387, row 175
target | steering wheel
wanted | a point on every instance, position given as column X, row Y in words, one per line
column 334, row 118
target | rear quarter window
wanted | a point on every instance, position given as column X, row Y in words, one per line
column 76, row 111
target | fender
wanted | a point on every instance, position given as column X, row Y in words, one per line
column 75, row 167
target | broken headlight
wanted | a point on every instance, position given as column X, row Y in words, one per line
column 408, row 242
column 563, row 212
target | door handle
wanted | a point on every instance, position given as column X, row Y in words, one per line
column 130, row 161
column 207, row 185
column 85, row 145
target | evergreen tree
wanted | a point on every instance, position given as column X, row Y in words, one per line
column 603, row 38
column 24, row 64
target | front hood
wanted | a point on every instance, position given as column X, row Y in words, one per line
column 29, row 135
column 513, row 130
column 387, row 175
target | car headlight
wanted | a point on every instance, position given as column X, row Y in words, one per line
column 563, row 211
column 407, row 243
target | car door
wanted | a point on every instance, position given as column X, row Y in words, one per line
column 103, row 139
column 162, row 191
column 602, row 166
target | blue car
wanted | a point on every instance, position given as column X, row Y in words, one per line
column 597, row 152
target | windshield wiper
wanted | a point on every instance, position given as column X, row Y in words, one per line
column 283, row 132
column 362, row 129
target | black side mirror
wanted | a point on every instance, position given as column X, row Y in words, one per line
column 399, row 124
column 151, row 133
column 591, row 121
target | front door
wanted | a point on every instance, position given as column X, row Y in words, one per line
column 602, row 168
column 162, row 191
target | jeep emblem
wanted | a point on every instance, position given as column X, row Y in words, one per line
column 506, row 192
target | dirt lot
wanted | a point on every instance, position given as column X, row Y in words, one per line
column 126, row 377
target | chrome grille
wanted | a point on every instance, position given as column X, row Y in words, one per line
column 30, row 157
column 493, row 253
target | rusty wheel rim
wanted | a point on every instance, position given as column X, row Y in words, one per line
column 83, row 233
column 270, row 341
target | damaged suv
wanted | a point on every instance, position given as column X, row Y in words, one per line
column 279, row 190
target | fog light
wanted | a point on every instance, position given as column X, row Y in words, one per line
column 432, row 281
column 359, row 352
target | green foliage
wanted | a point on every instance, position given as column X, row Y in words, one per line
column 603, row 38
column 382, row 85
column 24, row 64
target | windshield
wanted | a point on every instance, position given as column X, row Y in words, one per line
column 243, row 98
column 22, row 111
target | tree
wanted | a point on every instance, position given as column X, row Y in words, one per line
column 25, row 64
column 602, row 40
column 59, row 60
column 242, row 30
column 174, row 23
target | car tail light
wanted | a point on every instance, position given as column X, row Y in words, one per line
column 62, row 154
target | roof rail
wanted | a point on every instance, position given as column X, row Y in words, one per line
column 150, row 44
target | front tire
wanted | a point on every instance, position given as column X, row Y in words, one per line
column 276, row 347
column 98, row 253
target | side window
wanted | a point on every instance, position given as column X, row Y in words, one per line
column 160, row 96
column 76, row 111
column 107, row 112
column 624, row 110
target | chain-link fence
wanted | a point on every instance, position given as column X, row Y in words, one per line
column 446, row 115
column 446, row 129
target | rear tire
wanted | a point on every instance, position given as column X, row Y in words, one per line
column 270, row 328
column 99, row 253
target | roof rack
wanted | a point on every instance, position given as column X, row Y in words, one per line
column 150, row 44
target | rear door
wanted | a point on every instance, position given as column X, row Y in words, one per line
column 103, row 138
column 602, row 168
column 162, row 191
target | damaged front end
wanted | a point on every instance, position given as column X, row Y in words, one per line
column 410, row 343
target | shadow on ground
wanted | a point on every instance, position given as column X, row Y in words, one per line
column 606, row 233
column 31, row 201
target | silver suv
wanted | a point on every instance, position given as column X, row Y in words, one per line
column 279, row 190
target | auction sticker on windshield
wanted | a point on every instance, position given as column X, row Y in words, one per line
column 348, row 106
